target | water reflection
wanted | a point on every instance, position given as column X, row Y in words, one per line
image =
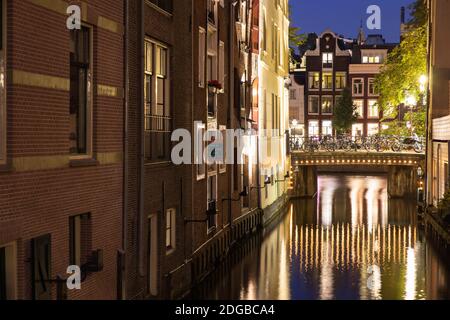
column 352, row 242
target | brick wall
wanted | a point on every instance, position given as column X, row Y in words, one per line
column 34, row 202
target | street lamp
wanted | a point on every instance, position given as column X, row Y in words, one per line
column 411, row 101
column 423, row 81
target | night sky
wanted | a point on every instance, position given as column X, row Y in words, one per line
column 344, row 16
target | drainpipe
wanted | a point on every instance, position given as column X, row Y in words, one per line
column 141, row 152
column 125, row 142
column 429, row 119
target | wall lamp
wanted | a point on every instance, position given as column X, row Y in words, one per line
column 287, row 176
column 243, row 194
column 267, row 181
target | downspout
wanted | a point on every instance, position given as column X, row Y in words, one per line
column 140, row 222
column 429, row 119
column 125, row 143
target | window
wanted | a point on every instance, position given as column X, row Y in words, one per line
column 157, row 114
column 373, row 111
column 41, row 266
column 170, row 230
column 166, row 5
column 80, row 239
column 327, row 81
column 313, row 128
column 80, row 92
column 8, row 274
column 373, row 129
column 359, row 104
column 222, row 164
column 201, row 57
column 327, row 60
column 313, row 105
column 275, row 43
column 358, row 87
column 293, row 94
column 341, row 80
column 264, row 33
column 373, row 58
column 314, row 81
column 212, row 202
column 327, row 128
column 3, row 82
column 327, row 105
column 222, row 63
column 358, row 130
column 371, row 87
column 201, row 166
column 211, row 4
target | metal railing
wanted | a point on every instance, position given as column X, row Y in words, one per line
column 347, row 143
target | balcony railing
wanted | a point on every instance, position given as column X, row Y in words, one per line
column 211, row 8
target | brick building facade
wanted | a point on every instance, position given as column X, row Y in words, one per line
column 61, row 161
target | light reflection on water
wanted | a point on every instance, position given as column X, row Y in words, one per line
column 352, row 242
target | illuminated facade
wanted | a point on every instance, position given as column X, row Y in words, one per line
column 273, row 71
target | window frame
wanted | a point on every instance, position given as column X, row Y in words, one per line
column 332, row 105
column 317, row 126
column 361, row 94
column 369, row 108
column 371, row 82
column 3, row 94
column 327, row 75
column 11, row 287
column 342, row 84
column 330, row 126
column 309, row 104
column 362, row 115
column 75, row 244
column 312, row 79
column 170, row 230
column 369, row 125
column 90, row 100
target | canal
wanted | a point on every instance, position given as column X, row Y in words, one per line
column 351, row 242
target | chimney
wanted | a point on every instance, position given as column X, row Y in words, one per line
column 402, row 15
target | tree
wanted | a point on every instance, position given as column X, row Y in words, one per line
column 345, row 114
column 296, row 38
column 399, row 77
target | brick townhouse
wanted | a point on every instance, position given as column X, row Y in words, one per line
column 193, row 75
column 61, row 125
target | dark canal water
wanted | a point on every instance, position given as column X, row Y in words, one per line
column 351, row 242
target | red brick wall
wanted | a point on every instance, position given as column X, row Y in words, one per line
column 34, row 203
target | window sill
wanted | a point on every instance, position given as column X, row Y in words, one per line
column 81, row 163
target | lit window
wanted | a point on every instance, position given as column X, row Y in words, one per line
column 327, row 81
column 327, row 105
column 373, row 129
column 358, row 87
column 314, row 80
column 313, row 128
column 341, row 80
column 327, row 60
column 372, row 89
column 373, row 110
column 365, row 59
column 80, row 92
column 170, row 229
column 157, row 113
column 313, row 105
column 327, row 128
column 358, row 130
column 359, row 104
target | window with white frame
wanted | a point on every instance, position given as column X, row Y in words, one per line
column 293, row 94
column 199, row 160
column 358, row 130
column 201, row 56
column 327, row 105
column 373, row 129
column 314, row 80
column 170, row 230
column 3, row 83
column 358, row 87
column 264, row 33
column 80, row 239
column 371, row 87
column 81, row 60
column 359, row 104
column 327, row 128
column 313, row 128
column 8, row 272
column 327, row 60
column 372, row 109
column 313, row 105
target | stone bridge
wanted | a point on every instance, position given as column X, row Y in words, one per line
column 402, row 169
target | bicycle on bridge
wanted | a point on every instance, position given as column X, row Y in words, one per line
column 348, row 143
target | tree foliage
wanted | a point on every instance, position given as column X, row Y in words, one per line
column 296, row 38
column 399, row 78
column 344, row 113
